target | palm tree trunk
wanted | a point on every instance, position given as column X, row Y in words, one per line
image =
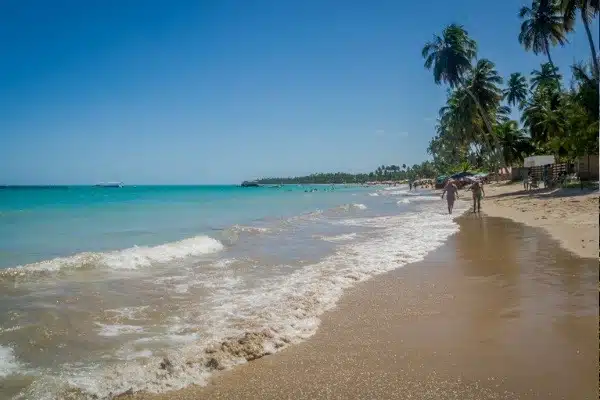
column 586, row 24
column 548, row 52
column 488, row 125
column 485, row 118
column 550, row 59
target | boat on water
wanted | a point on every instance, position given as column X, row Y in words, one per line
column 110, row 184
column 250, row 184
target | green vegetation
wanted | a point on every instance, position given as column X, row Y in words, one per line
column 382, row 173
column 474, row 130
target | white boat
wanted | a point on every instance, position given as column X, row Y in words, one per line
column 110, row 184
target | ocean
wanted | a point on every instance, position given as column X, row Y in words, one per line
column 109, row 290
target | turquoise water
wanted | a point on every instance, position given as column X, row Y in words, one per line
column 42, row 223
column 100, row 285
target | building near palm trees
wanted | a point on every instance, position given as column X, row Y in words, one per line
column 588, row 168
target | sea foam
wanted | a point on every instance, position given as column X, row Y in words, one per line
column 8, row 362
column 247, row 324
column 339, row 238
column 239, row 323
column 130, row 258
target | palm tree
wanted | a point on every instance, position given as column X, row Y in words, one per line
column 546, row 77
column 516, row 91
column 450, row 57
column 543, row 116
column 503, row 114
column 456, row 119
column 542, row 26
column 588, row 9
column 515, row 145
column 586, row 89
column 483, row 82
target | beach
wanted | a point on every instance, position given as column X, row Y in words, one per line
column 358, row 293
column 569, row 215
column 156, row 288
column 500, row 311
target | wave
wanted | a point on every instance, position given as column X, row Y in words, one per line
column 309, row 216
column 348, row 207
column 374, row 194
column 339, row 238
column 242, row 322
column 232, row 234
column 398, row 193
column 131, row 258
column 248, row 229
column 390, row 188
column 422, row 195
column 411, row 199
column 249, row 323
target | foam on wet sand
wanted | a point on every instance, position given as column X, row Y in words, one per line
column 8, row 362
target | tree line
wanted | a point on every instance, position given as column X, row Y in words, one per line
column 380, row 174
column 474, row 128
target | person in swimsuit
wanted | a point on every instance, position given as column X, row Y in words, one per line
column 451, row 192
column 478, row 193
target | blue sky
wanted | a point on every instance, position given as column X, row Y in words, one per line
column 220, row 91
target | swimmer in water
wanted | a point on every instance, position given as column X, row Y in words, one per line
column 451, row 192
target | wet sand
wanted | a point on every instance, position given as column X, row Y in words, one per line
column 501, row 311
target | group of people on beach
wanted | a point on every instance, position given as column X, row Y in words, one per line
column 451, row 192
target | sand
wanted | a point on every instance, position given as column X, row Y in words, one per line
column 569, row 215
column 499, row 312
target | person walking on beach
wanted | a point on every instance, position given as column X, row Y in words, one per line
column 478, row 193
column 451, row 192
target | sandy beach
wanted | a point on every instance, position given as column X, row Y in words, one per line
column 499, row 312
column 569, row 215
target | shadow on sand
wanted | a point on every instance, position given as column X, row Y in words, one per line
column 546, row 193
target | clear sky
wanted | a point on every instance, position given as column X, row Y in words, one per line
column 220, row 91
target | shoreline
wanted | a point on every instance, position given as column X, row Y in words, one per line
column 426, row 299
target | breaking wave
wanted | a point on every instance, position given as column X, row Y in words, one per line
column 248, row 324
column 339, row 238
column 348, row 207
column 131, row 258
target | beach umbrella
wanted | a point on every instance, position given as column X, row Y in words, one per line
column 461, row 175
